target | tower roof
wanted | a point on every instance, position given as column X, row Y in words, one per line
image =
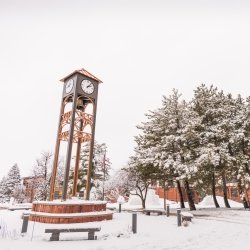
column 82, row 72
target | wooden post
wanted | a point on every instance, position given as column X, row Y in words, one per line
column 167, row 210
column 78, row 152
column 91, row 152
column 134, row 223
column 25, row 223
column 178, row 217
column 69, row 149
column 56, row 155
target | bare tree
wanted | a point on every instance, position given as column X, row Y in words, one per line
column 41, row 174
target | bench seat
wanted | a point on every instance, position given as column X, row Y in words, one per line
column 155, row 211
column 185, row 216
column 55, row 232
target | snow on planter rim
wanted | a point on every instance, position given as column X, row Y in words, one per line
column 70, row 215
column 70, row 202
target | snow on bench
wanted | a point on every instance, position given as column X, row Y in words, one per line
column 19, row 207
column 55, row 232
column 186, row 216
column 155, row 211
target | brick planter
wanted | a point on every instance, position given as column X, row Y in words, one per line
column 69, row 212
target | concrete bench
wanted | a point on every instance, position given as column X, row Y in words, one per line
column 55, row 233
column 149, row 211
column 19, row 208
column 185, row 216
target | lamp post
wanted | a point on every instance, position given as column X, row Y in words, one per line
column 104, row 173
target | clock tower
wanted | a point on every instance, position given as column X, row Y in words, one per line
column 76, row 125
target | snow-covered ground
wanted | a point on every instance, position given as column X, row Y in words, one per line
column 210, row 229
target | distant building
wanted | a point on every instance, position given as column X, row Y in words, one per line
column 173, row 195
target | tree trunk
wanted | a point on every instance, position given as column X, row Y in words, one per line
column 143, row 197
column 242, row 195
column 180, row 194
column 213, row 192
column 247, row 198
column 164, row 194
column 224, row 183
column 143, row 201
column 245, row 203
column 190, row 196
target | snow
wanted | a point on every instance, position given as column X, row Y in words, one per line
column 210, row 229
column 10, row 206
column 187, row 214
column 151, row 200
column 67, row 215
column 208, row 202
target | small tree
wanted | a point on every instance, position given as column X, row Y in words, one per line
column 117, row 185
column 19, row 193
column 140, row 177
column 13, row 180
column 41, row 174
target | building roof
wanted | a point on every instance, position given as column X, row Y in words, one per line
column 83, row 72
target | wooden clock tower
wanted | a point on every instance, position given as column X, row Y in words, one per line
column 76, row 126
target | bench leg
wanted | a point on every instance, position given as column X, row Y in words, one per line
column 147, row 213
column 186, row 219
column 91, row 235
column 54, row 236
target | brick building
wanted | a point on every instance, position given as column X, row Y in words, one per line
column 173, row 195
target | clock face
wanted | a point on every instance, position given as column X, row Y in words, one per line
column 69, row 86
column 87, row 86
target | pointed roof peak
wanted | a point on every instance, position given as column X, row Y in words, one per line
column 82, row 72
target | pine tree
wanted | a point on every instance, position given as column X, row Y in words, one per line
column 166, row 141
column 209, row 103
column 3, row 190
column 239, row 144
column 223, row 137
column 100, row 170
column 13, row 180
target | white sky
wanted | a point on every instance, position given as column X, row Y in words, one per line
column 140, row 49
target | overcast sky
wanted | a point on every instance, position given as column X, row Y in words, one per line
column 141, row 50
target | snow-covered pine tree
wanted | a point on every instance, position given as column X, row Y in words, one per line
column 239, row 144
column 217, row 113
column 142, row 170
column 166, row 141
column 100, row 170
column 3, row 191
column 13, row 180
column 208, row 106
column 169, row 122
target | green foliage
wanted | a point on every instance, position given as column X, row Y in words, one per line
column 101, row 166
